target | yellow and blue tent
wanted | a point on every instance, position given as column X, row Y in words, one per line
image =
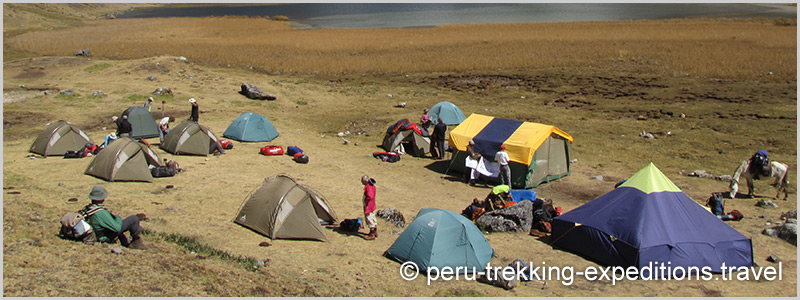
column 538, row 153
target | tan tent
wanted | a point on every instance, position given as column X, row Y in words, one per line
column 284, row 209
column 189, row 137
column 124, row 160
column 58, row 138
column 405, row 137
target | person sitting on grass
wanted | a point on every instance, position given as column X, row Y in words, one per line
column 109, row 226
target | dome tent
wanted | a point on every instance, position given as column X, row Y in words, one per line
column 251, row 127
column 190, row 138
column 448, row 112
column 124, row 160
column 143, row 125
column 58, row 138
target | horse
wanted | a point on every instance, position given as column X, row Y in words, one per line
column 776, row 169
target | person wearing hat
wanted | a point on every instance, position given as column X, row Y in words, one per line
column 124, row 127
column 109, row 227
column 111, row 137
column 505, row 171
column 147, row 103
column 195, row 110
column 369, row 207
column 472, row 163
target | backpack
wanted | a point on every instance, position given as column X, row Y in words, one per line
column 75, row 227
column 163, row 171
column 292, row 150
column 387, row 156
column 227, row 145
column 350, row 225
column 300, row 158
column 272, row 150
column 74, row 154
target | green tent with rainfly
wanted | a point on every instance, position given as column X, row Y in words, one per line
column 124, row 160
column 143, row 124
column 251, row 127
column 189, row 138
column 284, row 209
column 58, row 138
column 448, row 112
column 441, row 238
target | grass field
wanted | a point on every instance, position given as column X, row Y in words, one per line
column 603, row 91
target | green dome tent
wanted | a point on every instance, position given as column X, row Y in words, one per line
column 251, row 127
column 284, row 209
column 58, row 138
column 440, row 238
column 124, row 160
column 189, row 138
column 449, row 112
column 143, row 124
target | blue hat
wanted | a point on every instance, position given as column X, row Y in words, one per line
column 762, row 153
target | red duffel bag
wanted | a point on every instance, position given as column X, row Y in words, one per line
column 272, row 150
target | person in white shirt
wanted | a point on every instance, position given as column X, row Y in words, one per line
column 505, row 171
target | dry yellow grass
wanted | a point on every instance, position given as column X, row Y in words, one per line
column 716, row 48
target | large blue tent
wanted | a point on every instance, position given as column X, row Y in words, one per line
column 251, row 127
column 441, row 238
column 649, row 221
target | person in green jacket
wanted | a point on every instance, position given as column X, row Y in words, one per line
column 109, row 227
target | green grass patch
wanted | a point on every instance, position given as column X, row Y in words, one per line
column 97, row 67
column 193, row 245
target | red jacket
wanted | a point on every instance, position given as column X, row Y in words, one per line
column 369, row 198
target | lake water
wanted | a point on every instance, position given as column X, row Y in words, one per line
column 392, row 15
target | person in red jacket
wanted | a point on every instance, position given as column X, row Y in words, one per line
column 369, row 207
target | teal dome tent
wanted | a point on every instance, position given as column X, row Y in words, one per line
column 449, row 112
column 441, row 238
column 251, row 127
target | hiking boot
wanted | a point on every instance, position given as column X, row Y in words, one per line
column 137, row 244
column 373, row 233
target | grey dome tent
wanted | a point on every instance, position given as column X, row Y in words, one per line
column 143, row 124
column 189, row 138
column 405, row 136
column 58, row 138
column 284, row 209
column 124, row 160
column 251, row 127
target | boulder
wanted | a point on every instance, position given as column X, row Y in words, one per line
column 152, row 78
column 67, row 92
column 766, row 204
column 792, row 214
column 518, row 218
column 252, row 92
column 392, row 215
column 162, row 91
column 787, row 231
column 83, row 52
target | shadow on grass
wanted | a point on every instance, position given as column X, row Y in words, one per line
column 341, row 231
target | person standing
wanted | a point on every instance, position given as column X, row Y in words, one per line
column 195, row 110
column 472, row 163
column 124, row 127
column 438, row 138
column 147, row 103
column 425, row 119
column 109, row 227
column 505, row 171
column 369, row 207
column 163, row 127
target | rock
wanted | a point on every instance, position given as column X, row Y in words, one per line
column 401, row 105
column 766, row 204
column 181, row 58
column 67, row 92
column 116, row 250
column 392, row 215
column 683, row 116
column 773, row 258
column 83, row 52
column 162, row 91
column 770, row 232
column 792, row 214
column 598, row 178
column 97, row 93
column 72, row 200
column 152, row 78
column 788, row 232
column 726, row 178
column 252, row 92
column 518, row 217
column 264, row 244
